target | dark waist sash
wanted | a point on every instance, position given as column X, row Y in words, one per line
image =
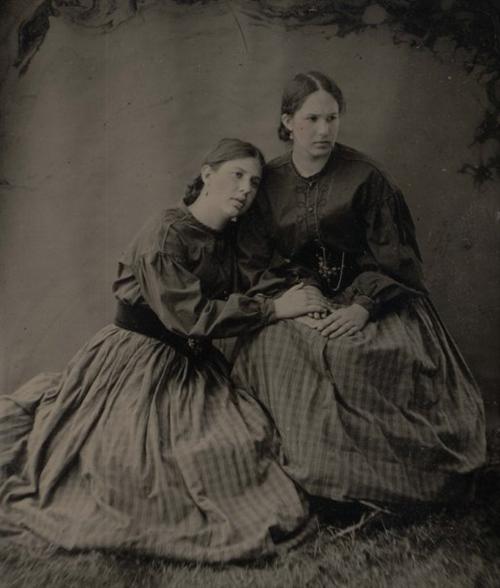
column 141, row 319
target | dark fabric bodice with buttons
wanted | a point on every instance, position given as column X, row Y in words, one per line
column 349, row 210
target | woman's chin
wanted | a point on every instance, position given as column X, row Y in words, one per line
column 238, row 210
column 233, row 213
column 320, row 152
column 322, row 149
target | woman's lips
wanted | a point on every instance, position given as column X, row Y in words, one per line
column 238, row 203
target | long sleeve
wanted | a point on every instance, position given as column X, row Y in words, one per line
column 177, row 297
column 391, row 262
column 262, row 269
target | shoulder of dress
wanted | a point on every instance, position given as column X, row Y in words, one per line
column 367, row 164
column 350, row 154
column 277, row 162
column 161, row 234
column 173, row 226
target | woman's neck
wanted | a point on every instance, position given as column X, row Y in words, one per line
column 207, row 215
column 308, row 166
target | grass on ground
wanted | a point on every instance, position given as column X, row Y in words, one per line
column 459, row 548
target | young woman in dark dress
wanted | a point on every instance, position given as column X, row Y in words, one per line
column 142, row 444
column 374, row 401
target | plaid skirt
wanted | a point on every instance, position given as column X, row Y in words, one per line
column 137, row 448
column 391, row 414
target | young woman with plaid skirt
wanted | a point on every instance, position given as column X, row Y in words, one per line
column 142, row 444
column 373, row 401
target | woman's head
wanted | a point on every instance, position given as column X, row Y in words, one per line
column 299, row 89
column 229, row 177
column 310, row 111
column 225, row 150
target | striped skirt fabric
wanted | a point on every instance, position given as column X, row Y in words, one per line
column 391, row 414
column 136, row 448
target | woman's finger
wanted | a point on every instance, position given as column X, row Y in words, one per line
column 341, row 325
column 352, row 331
column 311, row 307
column 324, row 322
column 332, row 325
column 333, row 328
column 339, row 332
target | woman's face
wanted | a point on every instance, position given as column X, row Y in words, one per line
column 232, row 186
column 314, row 126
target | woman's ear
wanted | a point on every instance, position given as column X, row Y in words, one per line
column 205, row 173
column 286, row 119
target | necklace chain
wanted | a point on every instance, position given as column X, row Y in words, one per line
column 328, row 272
column 325, row 270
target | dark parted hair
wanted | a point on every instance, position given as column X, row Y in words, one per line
column 225, row 150
column 302, row 86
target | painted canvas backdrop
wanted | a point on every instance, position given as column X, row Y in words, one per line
column 105, row 118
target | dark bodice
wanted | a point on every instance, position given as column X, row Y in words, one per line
column 186, row 273
column 346, row 229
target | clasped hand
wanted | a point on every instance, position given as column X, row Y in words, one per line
column 300, row 300
column 348, row 320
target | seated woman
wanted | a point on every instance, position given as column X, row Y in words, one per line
column 142, row 444
column 374, row 401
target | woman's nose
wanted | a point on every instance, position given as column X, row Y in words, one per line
column 323, row 127
column 245, row 186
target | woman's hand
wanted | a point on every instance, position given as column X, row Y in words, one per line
column 299, row 300
column 343, row 321
column 307, row 320
column 324, row 312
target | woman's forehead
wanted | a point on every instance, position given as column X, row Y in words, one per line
column 249, row 164
column 320, row 101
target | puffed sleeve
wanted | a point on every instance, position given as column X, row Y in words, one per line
column 391, row 264
column 176, row 296
column 262, row 269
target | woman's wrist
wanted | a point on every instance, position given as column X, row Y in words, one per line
column 268, row 308
column 367, row 303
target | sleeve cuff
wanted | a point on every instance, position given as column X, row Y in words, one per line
column 267, row 308
column 310, row 281
column 367, row 303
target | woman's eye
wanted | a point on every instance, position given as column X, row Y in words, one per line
column 238, row 174
column 313, row 118
column 331, row 118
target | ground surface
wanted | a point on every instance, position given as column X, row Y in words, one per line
column 455, row 549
